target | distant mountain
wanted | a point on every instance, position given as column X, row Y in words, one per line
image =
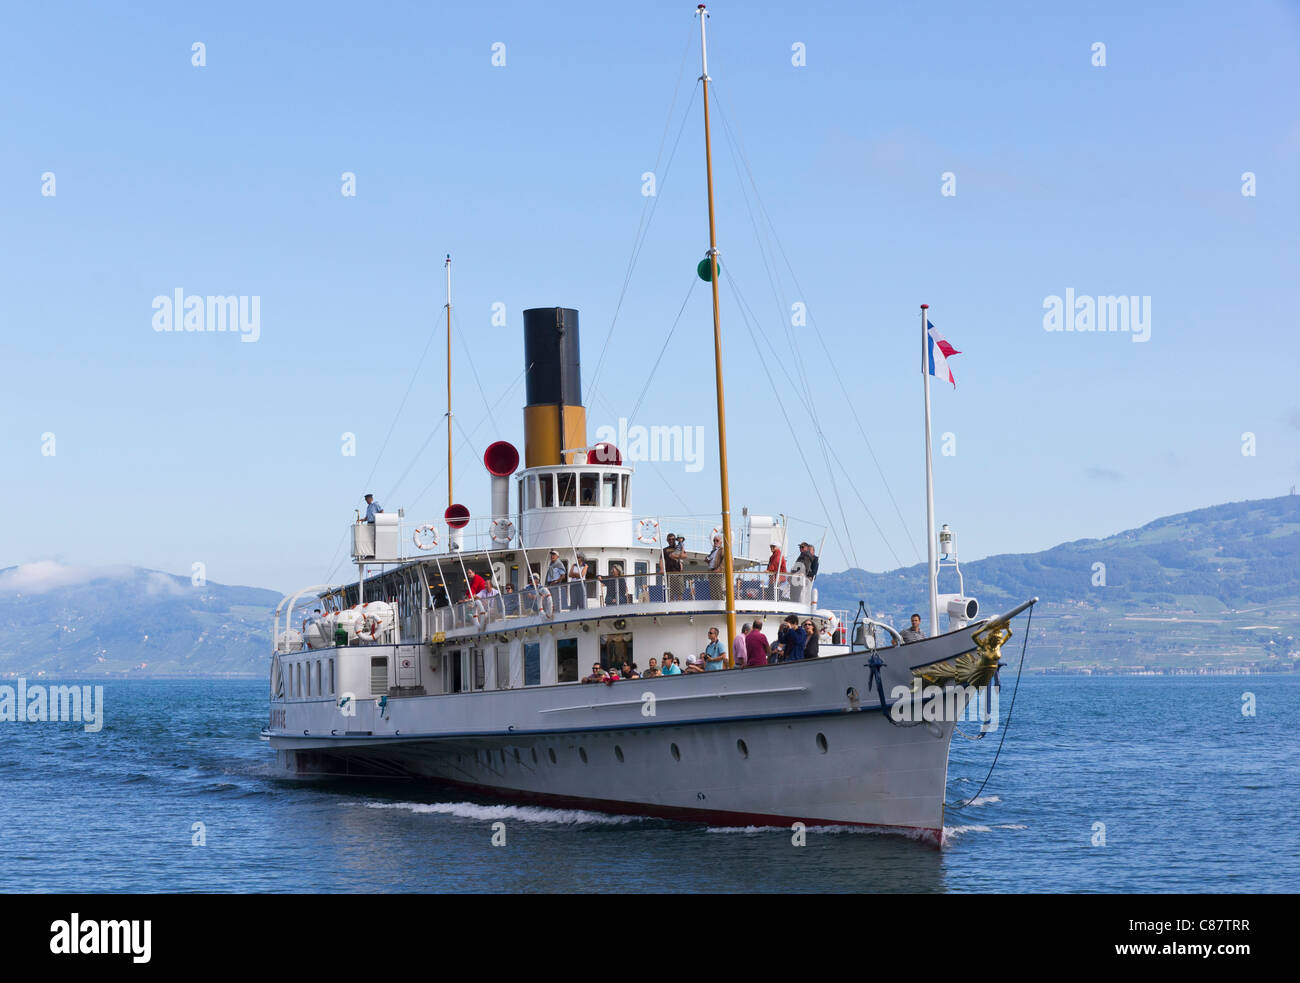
column 71, row 620
column 1216, row 587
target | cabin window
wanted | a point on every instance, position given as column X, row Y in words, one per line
column 319, row 691
column 378, row 676
column 566, row 660
column 477, row 668
column 567, row 488
column 590, row 486
column 641, row 568
column 532, row 664
column 627, row 502
column 615, row 650
column 609, row 491
column 332, row 688
column 548, row 490
column 503, row 667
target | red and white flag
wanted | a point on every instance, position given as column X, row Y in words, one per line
column 940, row 352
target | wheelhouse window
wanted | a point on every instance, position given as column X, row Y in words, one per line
column 609, row 491
column 566, row 660
column 567, row 488
column 627, row 503
column 590, row 485
column 547, row 485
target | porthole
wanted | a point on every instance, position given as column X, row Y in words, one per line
column 743, row 748
column 582, row 753
column 551, row 751
column 618, row 753
column 822, row 746
column 677, row 755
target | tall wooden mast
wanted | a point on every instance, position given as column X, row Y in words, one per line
column 451, row 499
column 728, row 566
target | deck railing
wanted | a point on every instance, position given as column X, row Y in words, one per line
column 611, row 595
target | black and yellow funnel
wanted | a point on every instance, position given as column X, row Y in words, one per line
column 554, row 417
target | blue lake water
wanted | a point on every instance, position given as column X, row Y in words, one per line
column 1194, row 796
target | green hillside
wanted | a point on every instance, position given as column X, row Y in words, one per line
column 1215, row 588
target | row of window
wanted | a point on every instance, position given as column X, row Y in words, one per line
column 487, row 758
column 615, row 649
column 573, row 488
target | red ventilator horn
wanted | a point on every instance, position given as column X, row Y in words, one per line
column 501, row 458
column 605, row 453
column 457, row 516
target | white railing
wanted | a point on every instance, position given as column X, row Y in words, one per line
column 612, row 595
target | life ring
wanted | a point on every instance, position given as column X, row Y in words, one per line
column 647, row 531
column 369, row 626
column 425, row 530
column 502, row 531
column 480, row 614
column 546, row 602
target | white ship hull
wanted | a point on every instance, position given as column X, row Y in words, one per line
column 799, row 742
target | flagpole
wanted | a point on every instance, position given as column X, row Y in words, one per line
column 929, row 476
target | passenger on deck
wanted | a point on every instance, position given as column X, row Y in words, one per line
column 694, row 663
column 775, row 566
column 440, row 599
column 615, row 588
column 914, row 633
column 756, row 647
column 372, row 507
column 598, row 675
column 738, row 648
column 672, row 564
column 814, row 640
column 796, row 639
column 578, row 583
column 630, row 671
column 489, row 589
column 652, row 670
column 671, row 668
column 556, row 574
column 714, row 655
column 777, row 652
column 476, row 584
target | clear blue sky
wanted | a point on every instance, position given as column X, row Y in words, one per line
column 225, row 179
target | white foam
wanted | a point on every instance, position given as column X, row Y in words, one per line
column 950, row 833
column 1011, row 826
column 915, row 834
column 523, row 814
column 983, row 800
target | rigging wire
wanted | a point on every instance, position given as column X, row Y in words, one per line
column 336, row 559
column 648, row 209
column 788, row 422
column 816, row 327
